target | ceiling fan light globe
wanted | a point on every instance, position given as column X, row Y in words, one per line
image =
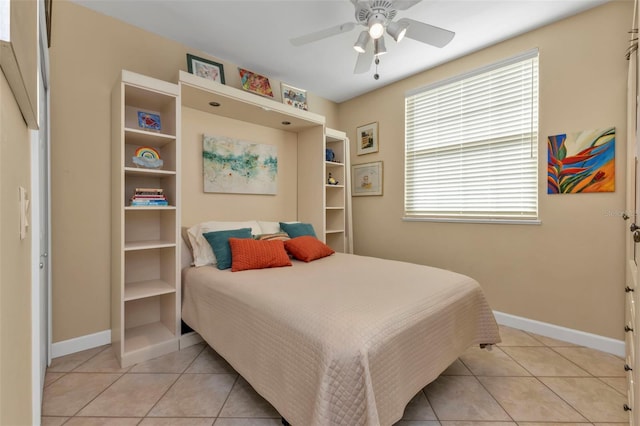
column 378, row 47
column 376, row 31
column 376, row 26
column 397, row 31
column 361, row 43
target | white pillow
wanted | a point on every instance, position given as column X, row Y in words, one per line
column 269, row 227
column 201, row 249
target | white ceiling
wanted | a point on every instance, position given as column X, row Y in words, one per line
column 255, row 34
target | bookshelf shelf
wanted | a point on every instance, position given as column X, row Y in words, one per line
column 146, row 245
column 149, row 288
column 145, row 137
column 147, row 335
column 133, row 171
column 150, row 208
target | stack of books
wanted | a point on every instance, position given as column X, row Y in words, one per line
column 149, row 197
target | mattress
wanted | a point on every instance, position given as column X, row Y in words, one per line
column 343, row 340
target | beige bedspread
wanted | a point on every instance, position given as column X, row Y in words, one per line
column 344, row 340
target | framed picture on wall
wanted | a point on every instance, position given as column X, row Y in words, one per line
column 205, row 68
column 366, row 179
column 367, row 139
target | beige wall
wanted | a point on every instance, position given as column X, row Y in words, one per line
column 198, row 206
column 87, row 53
column 24, row 38
column 15, row 254
column 569, row 271
column 15, row 266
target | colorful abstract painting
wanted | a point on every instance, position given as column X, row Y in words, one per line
column 582, row 162
column 239, row 167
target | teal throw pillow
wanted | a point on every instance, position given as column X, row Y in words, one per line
column 219, row 242
column 298, row 229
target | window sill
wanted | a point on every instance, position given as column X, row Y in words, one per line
column 500, row 221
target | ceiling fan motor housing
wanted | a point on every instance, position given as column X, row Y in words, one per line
column 383, row 8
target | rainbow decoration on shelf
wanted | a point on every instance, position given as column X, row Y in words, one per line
column 147, row 157
column 147, row 152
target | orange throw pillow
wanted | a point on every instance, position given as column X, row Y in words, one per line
column 251, row 254
column 307, row 248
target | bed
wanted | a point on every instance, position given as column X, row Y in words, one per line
column 342, row 340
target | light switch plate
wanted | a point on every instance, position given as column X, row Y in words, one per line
column 24, row 210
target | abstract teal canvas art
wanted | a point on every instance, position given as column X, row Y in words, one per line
column 239, row 167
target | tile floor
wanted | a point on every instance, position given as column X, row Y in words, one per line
column 526, row 380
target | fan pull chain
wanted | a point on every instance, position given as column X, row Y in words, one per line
column 376, row 75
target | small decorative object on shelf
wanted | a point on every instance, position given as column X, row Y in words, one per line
column 329, row 154
column 332, row 181
column 255, row 83
column 149, row 121
column 205, row 68
column 293, row 96
column 147, row 157
column 149, row 197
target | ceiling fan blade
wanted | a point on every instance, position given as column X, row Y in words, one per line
column 363, row 64
column 405, row 4
column 435, row 36
column 319, row 35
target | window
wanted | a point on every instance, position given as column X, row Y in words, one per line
column 471, row 144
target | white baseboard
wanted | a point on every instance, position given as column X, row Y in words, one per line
column 593, row 341
column 190, row 339
column 81, row 343
column 90, row 341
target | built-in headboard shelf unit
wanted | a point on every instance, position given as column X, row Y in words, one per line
column 146, row 261
column 199, row 94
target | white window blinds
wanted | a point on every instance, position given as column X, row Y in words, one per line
column 471, row 144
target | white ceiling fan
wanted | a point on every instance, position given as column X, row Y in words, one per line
column 377, row 16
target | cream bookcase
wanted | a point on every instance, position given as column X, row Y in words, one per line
column 337, row 203
column 145, row 258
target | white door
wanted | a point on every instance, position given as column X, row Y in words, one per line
column 40, row 207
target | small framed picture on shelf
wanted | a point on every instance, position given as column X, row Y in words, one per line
column 255, row 83
column 366, row 179
column 367, row 139
column 149, row 121
column 293, row 96
column 205, row 68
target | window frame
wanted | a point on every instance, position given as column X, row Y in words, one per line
column 490, row 217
